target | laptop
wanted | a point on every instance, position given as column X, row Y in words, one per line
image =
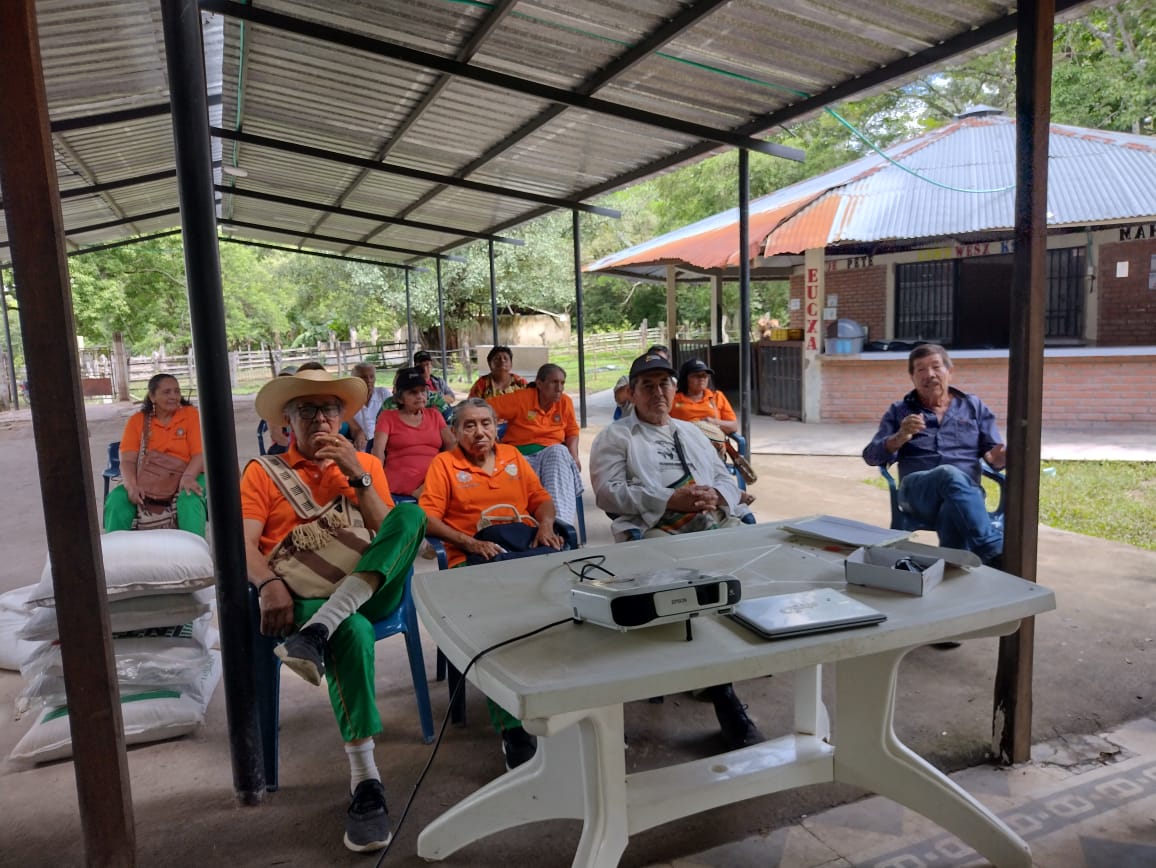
column 799, row 614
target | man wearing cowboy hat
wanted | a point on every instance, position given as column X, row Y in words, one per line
column 334, row 634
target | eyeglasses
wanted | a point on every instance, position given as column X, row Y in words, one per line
column 309, row 412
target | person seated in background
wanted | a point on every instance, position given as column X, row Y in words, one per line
column 938, row 434
column 542, row 424
column 333, row 635
column 424, row 360
column 660, row 476
column 366, row 416
column 161, row 465
column 408, row 438
column 622, row 387
column 695, row 401
column 464, row 482
column 501, row 378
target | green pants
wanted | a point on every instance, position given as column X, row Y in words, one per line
column 349, row 657
column 120, row 512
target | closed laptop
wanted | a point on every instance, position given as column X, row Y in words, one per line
column 804, row 612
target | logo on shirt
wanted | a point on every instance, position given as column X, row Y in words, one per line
column 558, row 418
column 464, row 476
column 512, row 470
column 531, row 415
column 180, row 432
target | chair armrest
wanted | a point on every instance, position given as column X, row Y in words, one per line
column 1000, row 479
column 440, row 551
column 740, row 442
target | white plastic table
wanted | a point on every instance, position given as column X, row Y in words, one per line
column 568, row 684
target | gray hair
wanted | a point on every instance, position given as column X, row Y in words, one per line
column 471, row 402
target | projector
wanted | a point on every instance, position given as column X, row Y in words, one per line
column 653, row 598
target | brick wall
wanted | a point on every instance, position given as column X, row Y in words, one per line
column 1084, row 389
column 862, row 297
column 1127, row 305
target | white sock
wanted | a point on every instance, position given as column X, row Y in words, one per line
column 361, row 764
column 351, row 594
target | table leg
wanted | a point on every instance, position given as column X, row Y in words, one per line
column 868, row 755
column 580, row 773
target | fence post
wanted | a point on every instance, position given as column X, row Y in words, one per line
column 233, row 361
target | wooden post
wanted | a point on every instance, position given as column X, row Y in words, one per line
column 120, row 367
column 1012, row 714
column 36, row 230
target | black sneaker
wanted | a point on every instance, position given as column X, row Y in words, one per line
column 304, row 652
column 738, row 730
column 518, row 746
column 367, row 823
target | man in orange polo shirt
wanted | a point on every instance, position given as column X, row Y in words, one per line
column 542, row 425
column 334, row 635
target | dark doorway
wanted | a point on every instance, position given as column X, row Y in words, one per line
column 983, row 303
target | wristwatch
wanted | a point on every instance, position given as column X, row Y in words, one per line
column 363, row 481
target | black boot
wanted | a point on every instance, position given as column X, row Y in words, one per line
column 738, row 730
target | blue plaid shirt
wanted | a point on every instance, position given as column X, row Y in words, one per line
column 965, row 435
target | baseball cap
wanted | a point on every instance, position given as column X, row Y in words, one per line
column 650, row 362
column 421, row 356
column 408, row 378
column 694, row 366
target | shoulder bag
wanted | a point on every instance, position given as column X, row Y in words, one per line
column 323, row 550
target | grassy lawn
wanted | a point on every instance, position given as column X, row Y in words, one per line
column 1113, row 500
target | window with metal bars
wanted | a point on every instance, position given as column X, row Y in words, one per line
column 925, row 300
column 1064, row 314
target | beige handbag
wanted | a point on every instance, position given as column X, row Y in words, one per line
column 318, row 554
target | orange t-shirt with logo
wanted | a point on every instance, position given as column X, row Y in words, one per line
column 262, row 500
column 712, row 405
column 527, row 423
column 457, row 491
column 179, row 437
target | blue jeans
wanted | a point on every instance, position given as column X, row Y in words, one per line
column 945, row 498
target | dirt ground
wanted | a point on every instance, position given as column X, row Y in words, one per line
column 1093, row 670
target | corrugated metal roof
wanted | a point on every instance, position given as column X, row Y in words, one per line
column 957, row 180
column 459, row 90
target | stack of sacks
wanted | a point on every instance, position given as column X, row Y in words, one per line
column 160, row 602
column 14, row 611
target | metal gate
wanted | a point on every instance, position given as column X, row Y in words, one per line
column 780, row 378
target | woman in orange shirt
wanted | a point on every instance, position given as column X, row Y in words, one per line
column 501, row 378
column 161, row 462
column 696, row 402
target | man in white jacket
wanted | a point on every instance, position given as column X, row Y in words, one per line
column 657, row 476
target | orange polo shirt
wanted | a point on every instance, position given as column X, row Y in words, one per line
column 528, row 423
column 457, row 491
column 712, row 404
column 262, row 500
column 179, row 437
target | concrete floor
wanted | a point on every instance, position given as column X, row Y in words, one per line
column 1093, row 715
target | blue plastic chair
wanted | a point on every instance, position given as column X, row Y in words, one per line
column 267, row 675
column 113, row 470
column 901, row 520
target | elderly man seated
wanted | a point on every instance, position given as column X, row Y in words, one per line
column 461, row 486
column 542, row 424
column 939, row 434
column 366, row 416
column 334, row 630
column 661, row 476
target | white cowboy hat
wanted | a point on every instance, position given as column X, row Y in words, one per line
column 279, row 391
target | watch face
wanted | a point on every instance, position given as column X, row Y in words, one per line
column 366, row 480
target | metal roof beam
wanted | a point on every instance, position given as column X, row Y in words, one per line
column 318, row 253
column 365, row 215
column 426, row 60
column 91, row 189
column 108, row 119
column 333, row 239
column 893, row 72
column 112, row 245
column 496, row 15
column 372, row 165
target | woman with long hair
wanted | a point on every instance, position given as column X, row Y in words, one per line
column 161, row 464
